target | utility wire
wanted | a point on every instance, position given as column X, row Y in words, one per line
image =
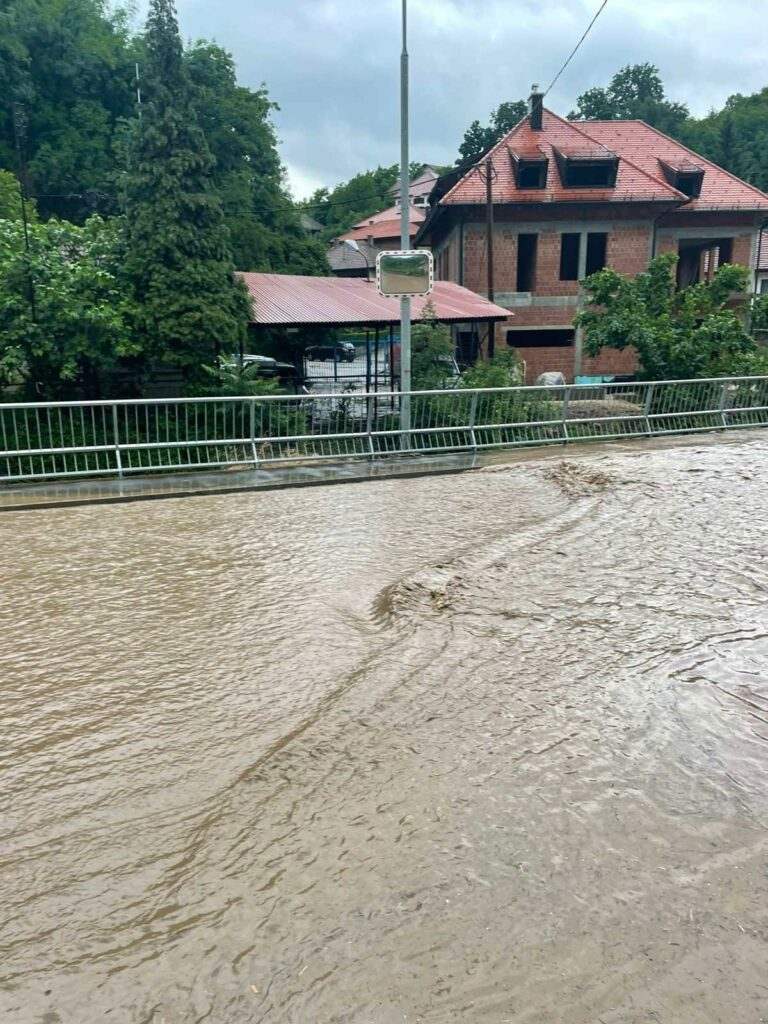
column 576, row 48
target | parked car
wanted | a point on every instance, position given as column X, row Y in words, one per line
column 269, row 368
column 343, row 351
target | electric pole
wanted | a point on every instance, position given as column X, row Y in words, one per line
column 489, row 172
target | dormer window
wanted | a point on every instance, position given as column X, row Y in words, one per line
column 587, row 168
column 685, row 176
column 530, row 168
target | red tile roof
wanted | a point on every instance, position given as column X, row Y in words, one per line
column 640, row 176
column 416, row 215
column 385, row 224
column 645, row 146
column 381, row 230
column 288, row 300
column 632, row 183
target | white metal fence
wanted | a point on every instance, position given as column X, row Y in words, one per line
column 75, row 439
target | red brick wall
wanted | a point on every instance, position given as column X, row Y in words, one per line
column 742, row 250
column 629, row 249
column 541, row 360
column 628, row 252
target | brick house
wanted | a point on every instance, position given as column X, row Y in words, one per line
column 570, row 198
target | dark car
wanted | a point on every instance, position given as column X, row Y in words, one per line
column 341, row 351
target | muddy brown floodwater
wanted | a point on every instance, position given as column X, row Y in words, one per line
column 478, row 748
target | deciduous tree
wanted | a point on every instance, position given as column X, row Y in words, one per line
column 65, row 317
column 695, row 332
column 636, row 92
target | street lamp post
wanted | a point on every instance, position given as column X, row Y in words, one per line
column 405, row 239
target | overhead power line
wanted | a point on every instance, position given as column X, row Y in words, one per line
column 576, row 48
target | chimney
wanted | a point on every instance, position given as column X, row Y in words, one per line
column 536, row 101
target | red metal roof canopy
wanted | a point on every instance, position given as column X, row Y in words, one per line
column 289, row 300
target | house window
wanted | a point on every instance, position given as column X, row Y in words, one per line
column 550, row 337
column 527, row 246
column 596, row 168
column 597, row 243
column 764, row 286
column 589, row 175
column 532, row 176
column 570, row 253
column 530, row 169
column 569, row 256
column 686, row 177
column 690, row 184
column 724, row 251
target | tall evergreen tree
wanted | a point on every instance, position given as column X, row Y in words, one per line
column 179, row 261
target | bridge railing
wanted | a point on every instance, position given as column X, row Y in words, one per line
column 74, row 439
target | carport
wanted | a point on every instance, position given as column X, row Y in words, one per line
column 291, row 302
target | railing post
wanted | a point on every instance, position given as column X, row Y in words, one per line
column 252, row 432
column 369, row 423
column 473, row 420
column 647, row 408
column 116, row 432
column 723, row 395
column 566, row 403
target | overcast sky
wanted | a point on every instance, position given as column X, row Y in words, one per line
column 333, row 65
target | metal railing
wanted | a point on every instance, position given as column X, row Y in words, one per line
column 76, row 439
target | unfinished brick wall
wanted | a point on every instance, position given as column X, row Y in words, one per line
column 628, row 251
column 543, row 360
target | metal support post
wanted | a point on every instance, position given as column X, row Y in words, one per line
column 566, row 403
column 473, row 420
column 252, row 431
column 118, row 455
column 647, row 409
column 405, row 239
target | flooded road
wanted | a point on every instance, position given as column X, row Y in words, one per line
column 486, row 748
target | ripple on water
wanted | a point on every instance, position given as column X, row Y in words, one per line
column 456, row 748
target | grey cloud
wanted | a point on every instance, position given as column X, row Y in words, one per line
column 332, row 65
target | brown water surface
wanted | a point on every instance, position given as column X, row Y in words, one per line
column 484, row 748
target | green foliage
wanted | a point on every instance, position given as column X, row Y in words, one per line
column 66, row 66
column 263, row 222
column 502, row 371
column 636, row 92
column 10, row 199
column 179, row 263
column 337, row 209
column 478, row 139
column 735, row 137
column 760, row 313
column 233, row 379
column 65, row 320
column 432, row 350
column 694, row 332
